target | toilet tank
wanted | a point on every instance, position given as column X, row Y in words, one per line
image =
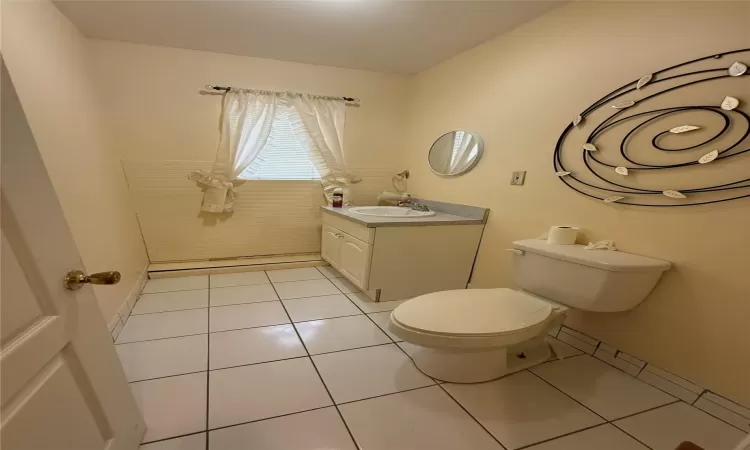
column 590, row 280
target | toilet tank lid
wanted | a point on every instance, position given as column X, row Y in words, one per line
column 615, row 261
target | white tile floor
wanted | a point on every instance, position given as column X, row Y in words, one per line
column 298, row 359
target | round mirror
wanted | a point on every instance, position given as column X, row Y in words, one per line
column 455, row 153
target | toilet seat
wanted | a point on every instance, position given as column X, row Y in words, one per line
column 470, row 318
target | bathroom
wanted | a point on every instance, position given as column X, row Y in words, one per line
column 111, row 93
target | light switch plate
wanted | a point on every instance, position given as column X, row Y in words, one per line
column 518, row 178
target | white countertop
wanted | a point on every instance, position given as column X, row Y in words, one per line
column 375, row 221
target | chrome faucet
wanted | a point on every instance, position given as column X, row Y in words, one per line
column 409, row 203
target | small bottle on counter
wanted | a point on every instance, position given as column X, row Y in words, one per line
column 338, row 198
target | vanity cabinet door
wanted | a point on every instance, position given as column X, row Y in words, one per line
column 354, row 260
column 330, row 245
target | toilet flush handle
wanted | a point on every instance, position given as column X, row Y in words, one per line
column 516, row 251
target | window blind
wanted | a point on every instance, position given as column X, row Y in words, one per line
column 283, row 157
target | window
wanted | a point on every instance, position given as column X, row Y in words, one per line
column 283, row 157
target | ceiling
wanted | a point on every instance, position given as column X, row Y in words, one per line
column 387, row 36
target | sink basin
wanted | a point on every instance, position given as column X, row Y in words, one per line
column 390, row 211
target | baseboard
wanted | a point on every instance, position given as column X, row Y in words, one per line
column 123, row 312
column 727, row 410
column 190, row 268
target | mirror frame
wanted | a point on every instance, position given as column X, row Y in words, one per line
column 480, row 153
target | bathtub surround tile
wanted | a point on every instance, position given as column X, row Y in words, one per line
column 164, row 357
column 238, row 279
column 521, row 409
column 176, row 284
column 171, row 301
column 172, row 406
column 255, row 345
column 562, row 350
column 318, row 429
column 344, row 285
column 597, row 438
column 329, row 335
column 261, row 391
column 382, row 319
column 192, row 442
column 666, row 427
column 368, row 372
column 329, row 272
column 313, row 308
column 236, row 295
column 285, row 275
column 607, row 391
column 419, row 419
column 368, row 306
column 251, row 315
column 725, row 410
column 164, row 325
column 308, row 288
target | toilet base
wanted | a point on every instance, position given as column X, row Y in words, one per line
column 456, row 365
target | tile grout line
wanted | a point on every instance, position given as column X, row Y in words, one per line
column 320, row 377
column 472, row 416
column 208, row 359
column 563, row 435
column 592, row 411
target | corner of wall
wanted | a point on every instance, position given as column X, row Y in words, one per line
column 118, row 321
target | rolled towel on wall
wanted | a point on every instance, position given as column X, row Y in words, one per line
column 562, row 235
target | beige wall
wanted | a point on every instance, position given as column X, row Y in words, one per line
column 48, row 62
column 519, row 92
column 163, row 129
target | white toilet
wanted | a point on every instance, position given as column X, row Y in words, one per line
column 475, row 335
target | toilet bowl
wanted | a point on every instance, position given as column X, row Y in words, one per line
column 475, row 335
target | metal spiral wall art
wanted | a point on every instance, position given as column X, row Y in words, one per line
column 679, row 148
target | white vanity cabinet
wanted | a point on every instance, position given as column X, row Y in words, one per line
column 347, row 254
column 400, row 261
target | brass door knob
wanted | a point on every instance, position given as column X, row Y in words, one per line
column 75, row 279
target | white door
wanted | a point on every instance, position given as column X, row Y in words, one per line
column 61, row 384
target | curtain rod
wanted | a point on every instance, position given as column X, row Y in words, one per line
column 214, row 90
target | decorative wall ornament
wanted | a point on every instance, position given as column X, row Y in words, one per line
column 684, row 129
column 623, row 105
column 611, row 189
column 644, row 81
column 728, row 104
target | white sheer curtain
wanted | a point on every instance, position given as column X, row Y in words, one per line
column 322, row 129
column 246, row 120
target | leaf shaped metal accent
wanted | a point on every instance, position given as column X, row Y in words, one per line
column 729, row 103
column 737, row 69
column 577, row 120
column 622, row 170
column 708, row 157
column 613, row 199
column 674, row 194
column 623, row 105
column 684, row 129
column 589, row 147
column 644, row 81
column 562, row 174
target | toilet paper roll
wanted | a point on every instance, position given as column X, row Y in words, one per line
column 562, row 235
